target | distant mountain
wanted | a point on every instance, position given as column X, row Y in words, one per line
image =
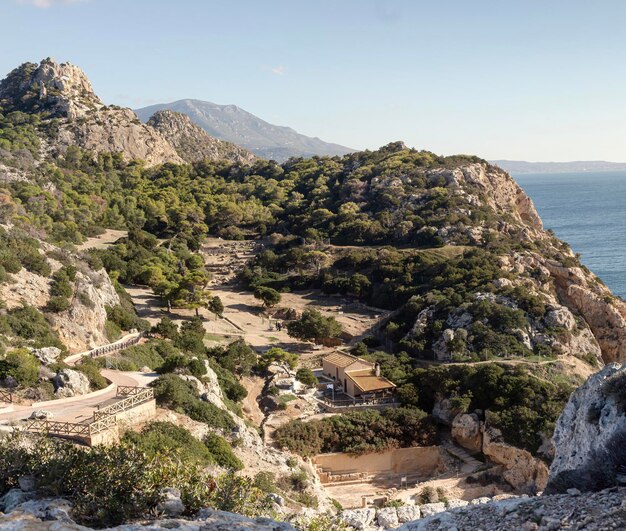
column 229, row 122
column 520, row 166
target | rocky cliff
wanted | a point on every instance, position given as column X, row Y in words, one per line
column 63, row 96
column 192, row 143
column 82, row 325
column 577, row 301
column 590, row 435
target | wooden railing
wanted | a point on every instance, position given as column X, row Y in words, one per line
column 114, row 347
column 6, row 396
column 70, row 429
column 103, row 418
column 351, row 402
column 134, row 397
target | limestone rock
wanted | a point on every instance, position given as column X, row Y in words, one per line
column 192, row 143
column 69, row 380
column 13, row 498
column 522, row 471
column 47, row 355
column 560, row 317
column 64, row 91
column 387, row 517
column 172, row 505
column 41, row 414
column 590, row 434
column 407, row 513
column 466, row 431
column 443, row 411
column 429, row 509
column 359, row 518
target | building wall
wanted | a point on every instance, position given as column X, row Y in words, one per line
column 423, row 460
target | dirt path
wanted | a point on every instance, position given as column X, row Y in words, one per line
column 104, row 240
column 254, row 385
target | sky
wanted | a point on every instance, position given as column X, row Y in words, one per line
column 537, row 80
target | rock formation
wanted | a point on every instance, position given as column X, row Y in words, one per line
column 192, row 143
column 590, row 435
column 63, row 92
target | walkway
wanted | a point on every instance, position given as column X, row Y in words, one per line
column 81, row 407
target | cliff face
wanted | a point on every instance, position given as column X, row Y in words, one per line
column 192, row 143
column 590, row 435
column 82, row 325
column 63, row 92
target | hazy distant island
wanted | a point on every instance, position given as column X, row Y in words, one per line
column 521, row 166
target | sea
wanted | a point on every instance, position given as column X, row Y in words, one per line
column 588, row 211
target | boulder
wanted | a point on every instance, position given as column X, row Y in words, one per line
column 560, row 317
column 41, row 414
column 359, row 518
column 408, row 513
column 522, row 471
column 590, row 435
column 27, row 483
column 47, row 355
column 443, row 411
column 70, row 381
column 47, row 509
column 172, row 504
column 466, row 431
column 428, row 509
column 13, row 498
column 387, row 517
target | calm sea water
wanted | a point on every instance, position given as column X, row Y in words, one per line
column 588, row 211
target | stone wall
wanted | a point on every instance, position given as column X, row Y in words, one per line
column 424, row 461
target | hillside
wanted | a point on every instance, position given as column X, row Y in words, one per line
column 233, row 124
column 192, row 143
column 484, row 321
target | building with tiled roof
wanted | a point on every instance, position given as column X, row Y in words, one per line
column 358, row 378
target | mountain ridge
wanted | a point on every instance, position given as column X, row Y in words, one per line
column 236, row 125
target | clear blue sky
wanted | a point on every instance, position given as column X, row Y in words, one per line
column 517, row 79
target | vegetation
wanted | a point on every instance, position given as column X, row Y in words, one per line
column 358, row 432
column 181, row 396
column 313, row 325
column 164, row 437
column 109, row 485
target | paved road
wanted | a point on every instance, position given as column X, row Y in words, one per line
column 79, row 408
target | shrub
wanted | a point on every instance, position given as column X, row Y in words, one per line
column 174, row 393
column 313, row 325
column 306, row 376
column 90, row 369
column 110, row 485
column 21, row 365
column 222, row 452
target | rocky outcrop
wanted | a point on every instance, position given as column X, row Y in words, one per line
column 82, row 326
column 192, row 143
column 50, row 514
column 63, row 92
column 521, row 470
column 605, row 315
column 467, row 432
column 590, row 435
column 602, row 510
column 69, row 382
column 495, row 187
column 47, row 355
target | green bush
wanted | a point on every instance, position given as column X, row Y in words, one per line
column 111, row 485
column 306, row 376
column 222, row 452
column 21, row 365
column 90, row 369
column 174, row 393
